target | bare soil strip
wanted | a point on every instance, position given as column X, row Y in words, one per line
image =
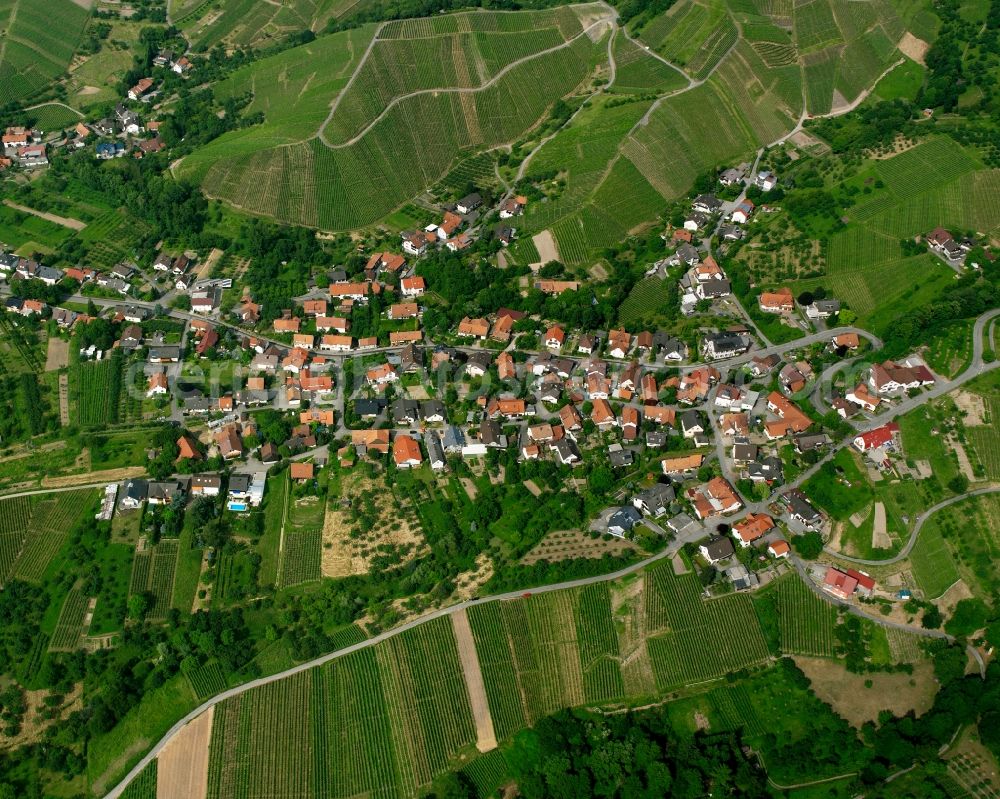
column 57, row 355
column 65, row 221
column 64, row 400
column 182, row 766
column 545, row 243
column 106, row 475
column 486, row 739
column 913, row 47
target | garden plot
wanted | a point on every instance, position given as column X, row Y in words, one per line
column 568, row 544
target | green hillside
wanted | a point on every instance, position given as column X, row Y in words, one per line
column 428, row 93
column 37, row 42
column 703, row 84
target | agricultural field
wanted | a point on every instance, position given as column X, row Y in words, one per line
column 245, row 23
column 350, row 176
column 52, row 518
column 207, row 680
column 639, row 72
column 153, row 573
column 806, row 622
column 692, row 640
column 70, row 627
column 693, row 35
column 37, row 44
column 54, row 116
column 960, row 542
column 984, row 440
column 403, row 710
column 95, row 389
column 402, row 714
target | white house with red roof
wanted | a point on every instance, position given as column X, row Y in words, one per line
column 884, row 436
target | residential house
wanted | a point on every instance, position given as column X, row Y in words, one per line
column 435, row 452
column 513, row 206
column 133, row 494
column 157, row 385
column 859, row 396
column 405, row 411
column 449, row 225
column 849, row 341
column 469, row 203
column 619, row 343
column 140, row 89
column 570, row 417
column 474, row 328
column 478, row 364
column 490, row 434
column 682, row 465
column 381, row 376
column 716, row 549
column 502, row 329
column 412, row 286
column 206, row 485
column 566, row 452
column 385, row 262
column 164, row 492
column 765, row 181
column 660, row 414
column 621, row 522
column 779, row 301
column 790, row 417
column 753, row 527
column 884, row 436
column 655, row 500
column 506, row 368
column 823, row 309
column 374, row 440
column 630, row 423
column 741, row 215
column 403, row 310
column 839, row 583
column 707, row 204
column 229, row 442
column 556, row 287
column 890, row 377
column 778, row 549
column 602, row 415
column 691, row 424
column 725, row 345
column 800, row 509
column 416, row 242
column 555, row 337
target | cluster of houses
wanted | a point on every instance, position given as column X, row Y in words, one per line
column 23, row 147
column 456, row 230
column 244, row 490
column 781, row 301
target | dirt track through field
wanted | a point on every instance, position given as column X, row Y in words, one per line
column 65, row 221
column 182, row 766
column 486, row 738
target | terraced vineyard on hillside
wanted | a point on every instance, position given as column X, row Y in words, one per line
column 360, row 122
column 37, row 42
column 470, row 82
